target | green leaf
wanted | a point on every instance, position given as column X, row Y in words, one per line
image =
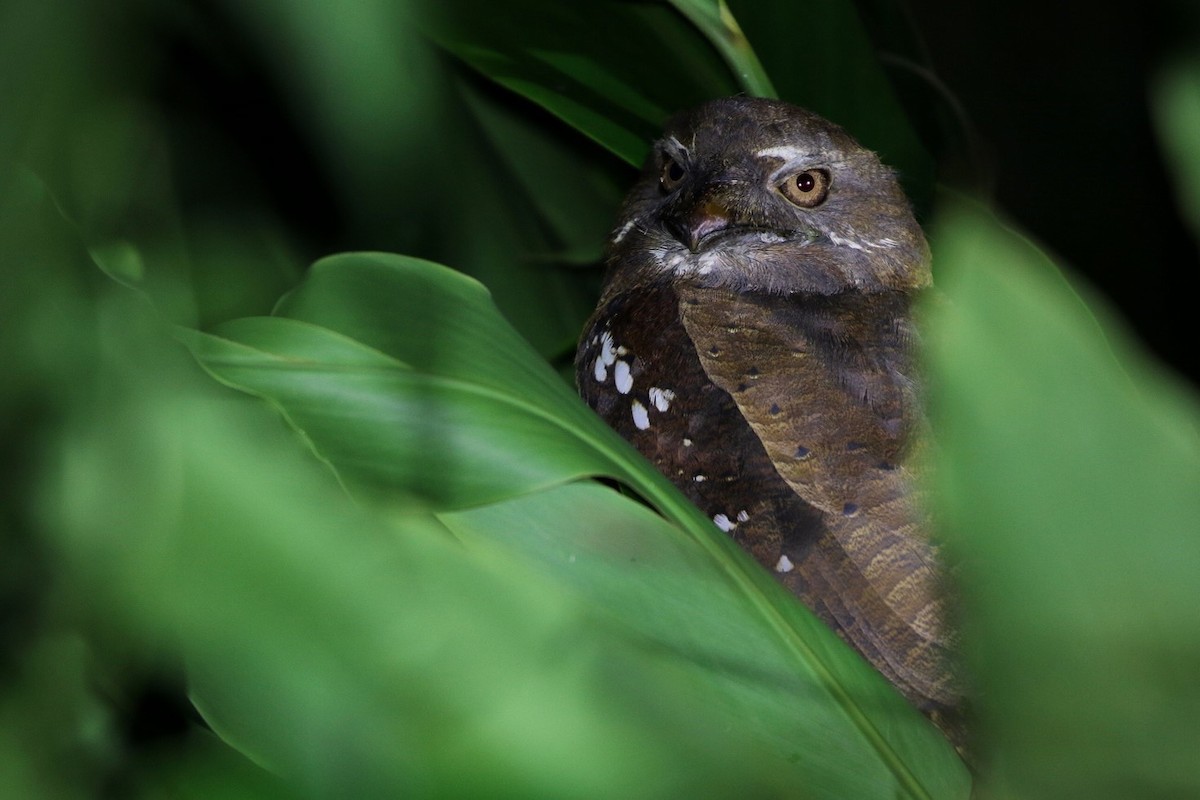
column 715, row 20
column 1177, row 110
column 472, row 415
column 803, row 705
column 356, row 653
column 612, row 70
column 574, row 188
column 1068, row 481
column 451, row 442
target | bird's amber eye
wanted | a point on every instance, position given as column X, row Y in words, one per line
column 806, row 189
column 672, row 174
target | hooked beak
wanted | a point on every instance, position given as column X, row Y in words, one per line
column 699, row 222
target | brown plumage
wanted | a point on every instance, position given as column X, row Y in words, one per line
column 754, row 340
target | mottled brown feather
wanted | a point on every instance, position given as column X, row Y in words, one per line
column 760, row 353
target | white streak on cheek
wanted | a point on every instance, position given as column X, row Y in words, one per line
column 624, row 231
column 841, row 241
column 864, row 244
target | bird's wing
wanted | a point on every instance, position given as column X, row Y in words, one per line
column 825, row 389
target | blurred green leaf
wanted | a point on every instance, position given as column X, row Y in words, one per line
column 451, row 442
column 1069, row 478
column 356, row 653
column 667, row 592
column 56, row 735
column 1177, row 110
column 208, row 768
column 351, row 365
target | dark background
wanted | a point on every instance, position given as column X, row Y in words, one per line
column 1059, row 96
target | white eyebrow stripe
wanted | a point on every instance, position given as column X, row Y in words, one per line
column 671, row 143
column 787, row 152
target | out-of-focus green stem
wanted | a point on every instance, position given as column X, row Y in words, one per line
column 716, row 21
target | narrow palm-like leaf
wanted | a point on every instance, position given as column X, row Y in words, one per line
column 716, row 21
column 612, row 70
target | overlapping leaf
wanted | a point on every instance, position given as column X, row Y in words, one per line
column 472, row 416
column 1070, row 482
column 613, row 71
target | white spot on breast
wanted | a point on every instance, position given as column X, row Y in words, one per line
column 784, row 564
column 608, row 352
column 622, row 377
column 641, row 417
column 687, row 442
column 661, row 398
column 743, row 515
column 724, row 523
column 600, row 371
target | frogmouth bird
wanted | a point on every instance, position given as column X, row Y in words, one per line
column 754, row 339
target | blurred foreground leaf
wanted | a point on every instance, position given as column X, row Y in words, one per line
column 351, row 365
column 1070, row 483
column 1177, row 110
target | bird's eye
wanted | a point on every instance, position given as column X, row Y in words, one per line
column 672, row 174
column 806, row 189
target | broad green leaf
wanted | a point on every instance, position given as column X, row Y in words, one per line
column 432, row 318
column 351, row 362
column 356, row 653
column 382, row 424
column 1070, row 484
column 666, row 591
